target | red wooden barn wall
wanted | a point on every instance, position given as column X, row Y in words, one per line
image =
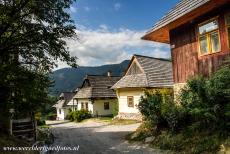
column 185, row 48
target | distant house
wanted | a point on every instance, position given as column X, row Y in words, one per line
column 143, row 73
column 61, row 105
column 198, row 32
column 96, row 95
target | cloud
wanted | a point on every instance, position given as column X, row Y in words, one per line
column 103, row 46
column 117, row 6
column 87, row 9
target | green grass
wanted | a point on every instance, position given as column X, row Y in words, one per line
column 99, row 119
column 123, row 122
column 45, row 126
column 111, row 121
column 183, row 142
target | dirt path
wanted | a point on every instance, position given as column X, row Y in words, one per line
column 96, row 138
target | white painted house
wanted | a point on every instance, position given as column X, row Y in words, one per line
column 143, row 73
column 61, row 106
column 96, row 95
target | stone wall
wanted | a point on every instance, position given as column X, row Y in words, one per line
column 133, row 116
column 177, row 91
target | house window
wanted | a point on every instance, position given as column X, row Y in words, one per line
column 82, row 105
column 86, row 106
column 130, row 101
column 59, row 111
column 209, row 39
column 228, row 28
column 106, row 105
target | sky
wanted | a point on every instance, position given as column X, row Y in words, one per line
column 110, row 31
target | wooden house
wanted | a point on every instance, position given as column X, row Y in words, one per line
column 96, row 96
column 62, row 105
column 143, row 73
column 198, row 32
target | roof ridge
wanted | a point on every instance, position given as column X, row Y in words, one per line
column 102, row 75
column 163, row 59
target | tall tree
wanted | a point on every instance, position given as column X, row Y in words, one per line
column 36, row 30
column 32, row 39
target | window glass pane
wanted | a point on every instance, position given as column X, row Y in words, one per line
column 208, row 27
column 130, row 101
column 106, row 105
column 228, row 19
column 203, row 45
column 215, row 42
column 229, row 37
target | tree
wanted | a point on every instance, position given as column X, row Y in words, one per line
column 35, row 30
column 33, row 36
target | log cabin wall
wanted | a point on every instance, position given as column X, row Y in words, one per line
column 185, row 48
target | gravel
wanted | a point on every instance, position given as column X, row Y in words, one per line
column 96, row 138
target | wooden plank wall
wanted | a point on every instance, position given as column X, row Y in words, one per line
column 185, row 48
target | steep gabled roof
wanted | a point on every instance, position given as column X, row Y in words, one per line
column 157, row 73
column 184, row 12
column 64, row 98
column 182, row 8
column 97, row 86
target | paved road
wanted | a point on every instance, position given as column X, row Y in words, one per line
column 96, row 138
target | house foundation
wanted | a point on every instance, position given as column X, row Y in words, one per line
column 177, row 91
column 132, row 116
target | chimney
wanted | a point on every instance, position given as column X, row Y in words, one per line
column 109, row 73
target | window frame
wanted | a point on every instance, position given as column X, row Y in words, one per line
column 128, row 103
column 86, row 106
column 227, row 26
column 208, row 35
column 82, row 105
column 106, row 106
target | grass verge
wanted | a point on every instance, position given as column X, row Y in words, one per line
column 183, row 142
column 111, row 121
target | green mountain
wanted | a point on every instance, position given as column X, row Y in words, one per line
column 68, row 79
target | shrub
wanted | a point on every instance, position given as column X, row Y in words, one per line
column 78, row 115
column 51, row 116
column 40, row 120
column 207, row 101
column 150, row 106
column 115, row 109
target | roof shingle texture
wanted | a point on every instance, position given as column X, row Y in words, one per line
column 99, row 87
column 182, row 8
column 67, row 96
column 157, row 73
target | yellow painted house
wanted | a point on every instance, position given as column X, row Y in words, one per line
column 143, row 73
column 96, row 95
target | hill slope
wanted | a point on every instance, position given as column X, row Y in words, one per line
column 68, row 79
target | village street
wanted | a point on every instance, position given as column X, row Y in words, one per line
column 96, row 138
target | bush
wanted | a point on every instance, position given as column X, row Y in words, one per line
column 115, row 109
column 207, row 101
column 159, row 109
column 78, row 115
column 51, row 116
column 40, row 120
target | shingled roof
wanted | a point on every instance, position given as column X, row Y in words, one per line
column 156, row 73
column 97, row 86
column 64, row 98
column 182, row 8
column 186, row 11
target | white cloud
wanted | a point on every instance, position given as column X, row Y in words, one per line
column 117, row 6
column 101, row 46
column 87, row 9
